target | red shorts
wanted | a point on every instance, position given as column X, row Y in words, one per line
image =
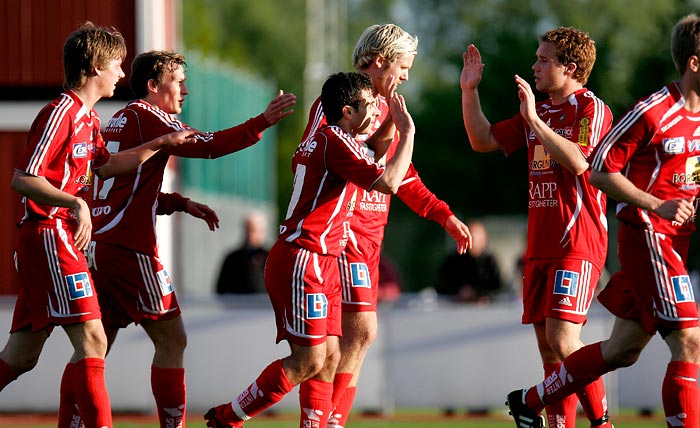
column 56, row 286
column 653, row 287
column 359, row 275
column 561, row 289
column 131, row 286
column 304, row 290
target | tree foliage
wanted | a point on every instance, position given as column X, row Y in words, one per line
column 268, row 37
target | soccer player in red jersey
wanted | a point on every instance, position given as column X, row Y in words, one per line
column 650, row 163
column 132, row 283
column 567, row 228
column 64, row 153
column 301, row 275
column 381, row 52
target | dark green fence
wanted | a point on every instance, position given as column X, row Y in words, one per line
column 221, row 97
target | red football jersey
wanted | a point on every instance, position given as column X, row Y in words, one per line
column 656, row 145
column 372, row 208
column 566, row 214
column 63, row 146
column 124, row 207
column 326, row 168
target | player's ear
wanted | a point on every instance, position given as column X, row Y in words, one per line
column 347, row 112
column 152, row 86
column 570, row 68
column 379, row 61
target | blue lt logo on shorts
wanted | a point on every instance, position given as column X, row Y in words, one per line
column 166, row 285
column 682, row 288
column 316, row 306
column 360, row 275
column 566, row 282
column 78, row 286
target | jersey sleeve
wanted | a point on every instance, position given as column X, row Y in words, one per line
column 633, row 131
column 592, row 123
column 49, row 135
column 421, row 200
column 220, row 143
column 169, row 203
column 346, row 158
column 510, row 133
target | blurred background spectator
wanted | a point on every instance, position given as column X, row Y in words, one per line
column 473, row 276
column 389, row 289
column 242, row 272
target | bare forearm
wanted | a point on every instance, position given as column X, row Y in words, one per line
column 564, row 151
column 39, row 190
column 618, row 187
column 397, row 167
column 476, row 124
column 382, row 138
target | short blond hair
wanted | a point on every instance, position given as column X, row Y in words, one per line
column 387, row 40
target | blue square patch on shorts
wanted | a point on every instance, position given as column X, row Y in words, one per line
column 682, row 289
column 566, row 282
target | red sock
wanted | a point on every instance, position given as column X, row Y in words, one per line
column 593, row 399
column 269, row 388
column 315, row 401
column 7, row 375
column 578, row 370
column 561, row 414
column 340, row 383
column 68, row 412
column 91, row 392
column 168, row 386
column 680, row 394
column 342, row 409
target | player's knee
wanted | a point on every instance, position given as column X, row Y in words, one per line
column 173, row 344
column 95, row 344
column 625, row 357
column 25, row 362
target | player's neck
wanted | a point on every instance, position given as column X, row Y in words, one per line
column 689, row 86
column 561, row 95
column 88, row 94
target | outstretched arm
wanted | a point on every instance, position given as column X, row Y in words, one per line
column 476, row 124
column 129, row 160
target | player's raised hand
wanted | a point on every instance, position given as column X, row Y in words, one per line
column 195, row 209
column 472, row 68
column 279, row 107
column 527, row 99
column 390, row 87
column 399, row 112
column 460, row 233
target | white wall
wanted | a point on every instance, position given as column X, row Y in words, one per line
column 427, row 355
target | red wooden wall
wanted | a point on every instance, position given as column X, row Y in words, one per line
column 32, row 33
